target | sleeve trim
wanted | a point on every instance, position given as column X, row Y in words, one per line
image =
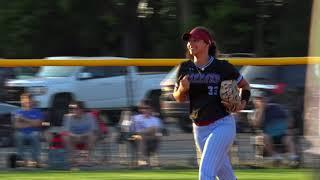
column 239, row 79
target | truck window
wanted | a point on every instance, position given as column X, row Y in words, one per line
column 108, row 71
column 56, row 71
column 25, row 72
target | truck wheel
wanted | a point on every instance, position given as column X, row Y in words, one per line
column 59, row 109
column 113, row 117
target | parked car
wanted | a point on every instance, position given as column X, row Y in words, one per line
column 284, row 85
column 7, row 73
column 6, row 128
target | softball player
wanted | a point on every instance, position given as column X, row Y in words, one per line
column 199, row 80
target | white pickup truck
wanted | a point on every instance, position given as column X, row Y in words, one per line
column 108, row 88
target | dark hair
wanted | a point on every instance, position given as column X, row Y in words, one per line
column 213, row 50
column 146, row 102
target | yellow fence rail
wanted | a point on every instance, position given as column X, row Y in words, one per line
column 152, row 62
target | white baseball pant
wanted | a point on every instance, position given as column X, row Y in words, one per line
column 214, row 142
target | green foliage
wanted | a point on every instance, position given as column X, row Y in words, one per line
column 233, row 24
column 150, row 28
column 288, row 29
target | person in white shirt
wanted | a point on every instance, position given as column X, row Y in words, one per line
column 147, row 129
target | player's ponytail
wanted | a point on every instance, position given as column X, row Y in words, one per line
column 213, row 50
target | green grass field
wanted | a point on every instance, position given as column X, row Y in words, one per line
column 185, row 174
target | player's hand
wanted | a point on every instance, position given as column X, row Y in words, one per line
column 184, row 84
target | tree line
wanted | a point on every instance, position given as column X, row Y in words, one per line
column 150, row 28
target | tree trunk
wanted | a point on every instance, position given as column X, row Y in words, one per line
column 131, row 38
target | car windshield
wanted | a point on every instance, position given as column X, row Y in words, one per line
column 17, row 72
column 25, row 72
column 254, row 74
column 292, row 75
column 56, row 71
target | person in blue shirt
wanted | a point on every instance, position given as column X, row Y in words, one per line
column 275, row 122
column 28, row 121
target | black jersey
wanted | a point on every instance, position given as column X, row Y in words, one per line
column 205, row 101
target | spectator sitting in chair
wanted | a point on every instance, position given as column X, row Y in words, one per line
column 275, row 122
column 79, row 129
column 148, row 130
column 27, row 123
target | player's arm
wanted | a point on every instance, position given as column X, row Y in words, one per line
column 181, row 92
column 245, row 91
column 182, row 86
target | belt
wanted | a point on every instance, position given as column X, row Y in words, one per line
column 204, row 123
column 207, row 122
